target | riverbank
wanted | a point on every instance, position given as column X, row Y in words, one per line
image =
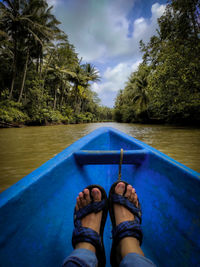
column 46, row 123
column 78, row 121
column 14, row 114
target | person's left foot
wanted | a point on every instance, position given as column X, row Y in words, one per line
column 92, row 220
column 122, row 213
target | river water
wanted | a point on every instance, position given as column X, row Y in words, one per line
column 24, row 149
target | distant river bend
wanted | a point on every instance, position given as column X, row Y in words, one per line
column 24, row 149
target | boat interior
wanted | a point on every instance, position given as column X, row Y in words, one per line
column 36, row 214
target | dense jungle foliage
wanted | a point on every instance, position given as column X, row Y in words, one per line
column 166, row 85
column 42, row 80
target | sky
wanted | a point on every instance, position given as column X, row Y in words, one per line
column 106, row 33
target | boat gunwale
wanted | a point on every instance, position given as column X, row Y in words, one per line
column 34, row 177
column 159, row 153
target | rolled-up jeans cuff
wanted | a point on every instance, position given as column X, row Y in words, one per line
column 136, row 260
column 82, row 256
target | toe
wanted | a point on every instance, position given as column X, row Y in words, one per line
column 131, row 197
column 78, row 203
column 87, row 196
column 128, row 191
column 120, row 188
column 96, row 193
column 135, row 200
column 80, row 196
column 82, row 199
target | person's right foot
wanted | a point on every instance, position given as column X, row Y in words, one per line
column 122, row 213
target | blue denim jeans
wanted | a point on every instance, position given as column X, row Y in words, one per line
column 85, row 258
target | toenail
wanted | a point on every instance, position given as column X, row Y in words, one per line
column 121, row 186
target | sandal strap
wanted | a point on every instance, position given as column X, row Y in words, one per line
column 127, row 229
column 84, row 234
column 92, row 207
column 129, row 205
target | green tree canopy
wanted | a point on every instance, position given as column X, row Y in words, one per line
column 166, row 86
column 41, row 70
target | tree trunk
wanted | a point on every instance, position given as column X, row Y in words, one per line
column 40, row 67
column 55, row 99
column 25, row 98
column 61, row 101
column 46, row 69
column 62, row 94
column 24, row 76
column 76, row 100
column 37, row 65
column 13, row 81
column 13, row 71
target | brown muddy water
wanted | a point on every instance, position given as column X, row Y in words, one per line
column 22, row 150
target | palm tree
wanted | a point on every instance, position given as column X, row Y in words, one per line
column 61, row 65
column 9, row 22
column 79, row 81
column 137, row 88
column 84, row 73
column 60, row 77
column 92, row 74
column 29, row 24
column 40, row 29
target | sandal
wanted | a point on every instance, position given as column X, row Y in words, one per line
column 126, row 228
column 84, row 234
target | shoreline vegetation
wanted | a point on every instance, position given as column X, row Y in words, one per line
column 44, row 82
column 20, row 125
column 42, row 79
column 166, row 86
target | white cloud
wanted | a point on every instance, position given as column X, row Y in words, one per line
column 114, row 80
column 157, row 10
column 140, row 27
column 52, row 2
column 145, row 28
column 100, row 30
column 96, row 27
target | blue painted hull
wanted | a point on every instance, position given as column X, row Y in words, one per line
column 36, row 219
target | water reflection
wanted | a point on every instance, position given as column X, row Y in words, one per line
column 23, row 150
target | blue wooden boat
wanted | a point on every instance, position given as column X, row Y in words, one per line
column 36, row 219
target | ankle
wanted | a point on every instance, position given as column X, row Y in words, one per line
column 86, row 245
column 129, row 245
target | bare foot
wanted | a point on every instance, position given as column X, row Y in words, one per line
column 127, row 244
column 92, row 220
column 121, row 213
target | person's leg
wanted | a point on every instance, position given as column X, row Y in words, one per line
column 84, row 253
column 129, row 247
column 81, row 257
